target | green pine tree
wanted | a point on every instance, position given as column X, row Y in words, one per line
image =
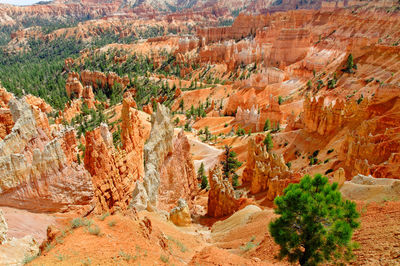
column 315, row 223
column 267, row 125
column 268, row 142
column 230, row 164
column 350, row 62
column 207, row 133
column 201, row 176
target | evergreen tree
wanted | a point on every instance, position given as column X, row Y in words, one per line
column 182, row 105
column 268, row 142
column 201, row 176
column 280, row 100
column 350, row 62
column 309, row 85
column 315, row 223
column 230, row 164
column 267, row 125
column 207, row 133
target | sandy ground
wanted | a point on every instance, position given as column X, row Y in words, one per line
column 242, row 239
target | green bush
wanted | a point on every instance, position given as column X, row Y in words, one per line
column 315, row 223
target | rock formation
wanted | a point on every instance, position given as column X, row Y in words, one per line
column 114, row 172
column 266, row 171
column 368, row 188
column 3, row 228
column 373, row 146
column 156, row 150
column 36, row 174
column 339, row 177
column 178, row 176
column 322, row 119
column 221, row 198
column 97, row 78
column 180, row 215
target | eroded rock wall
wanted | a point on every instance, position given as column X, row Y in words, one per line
column 221, row 198
column 266, row 171
column 115, row 171
column 35, row 171
column 178, row 176
column 157, row 148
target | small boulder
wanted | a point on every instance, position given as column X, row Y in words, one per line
column 180, row 215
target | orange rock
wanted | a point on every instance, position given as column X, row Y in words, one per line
column 110, row 189
column 221, row 198
column 35, row 173
column 5, row 97
column 178, row 177
column 132, row 138
column 6, row 123
column 148, row 109
column 114, row 172
column 73, row 86
column 266, row 171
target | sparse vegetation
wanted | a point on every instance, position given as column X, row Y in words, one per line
column 112, row 223
column 164, row 258
column 249, row 245
column 178, row 243
column 29, row 259
column 104, row 216
column 94, row 230
column 126, row 256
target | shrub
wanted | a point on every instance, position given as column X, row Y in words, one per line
column 111, row 223
column 164, row 258
column 249, row 245
column 240, row 131
column 104, row 216
column 94, row 230
column 77, row 222
column 315, row 223
column 29, row 259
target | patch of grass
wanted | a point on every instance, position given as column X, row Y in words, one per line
column 76, row 223
column 178, row 243
column 86, row 262
column 94, row 230
column 126, row 256
column 59, row 240
column 29, row 259
column 249, row 245
column 104, row 216
column 164, row 258
column 112, row 223
column 48, row 247
column 88, row 222
column 61, row 257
